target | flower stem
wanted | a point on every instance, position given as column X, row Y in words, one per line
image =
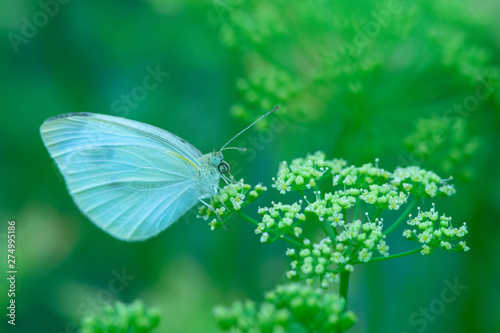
column 378, row 213
column 355, row 210
column 248, row 218
column 332, row 231
column 323, row 227
column 402, row 254
column 344, row 286
column 344, row 283
column 402, row 216
column 292, row 241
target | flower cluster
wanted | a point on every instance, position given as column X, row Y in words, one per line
column 422, row 183
column 290, row 307
column 374, row 184
column 350, row 238
column 280, row 220
column 349, row 211
column 303, row 174
column 122, row 318
column 434, row 231
column 231, row 198
column 355, row 243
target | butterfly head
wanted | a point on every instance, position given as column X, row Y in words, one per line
column 217, row 161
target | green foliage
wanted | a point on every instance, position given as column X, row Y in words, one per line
column 346, row 47
column 444, row 143
column 122, row 318
column 361, row 65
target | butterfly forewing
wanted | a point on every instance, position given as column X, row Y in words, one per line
column 131, row 179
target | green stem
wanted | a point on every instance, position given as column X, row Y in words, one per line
column 332, row 231
column 377, row 215
column 301, row 192
column 402, row 254
column 344, row 286
column 248, row 218
column 355, row 211
column 344, row 283
column 292, row 241
column 323, row 227
column 296, row 239
column 403, row 216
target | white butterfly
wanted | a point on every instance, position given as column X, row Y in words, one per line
column 131, row 179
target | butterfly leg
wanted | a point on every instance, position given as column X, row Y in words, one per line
column 226, row 180
column 210, row 207
column 232, row 180
column 223, row 204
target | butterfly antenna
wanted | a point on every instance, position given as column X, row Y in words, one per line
column 236, row 148
column 264, row 115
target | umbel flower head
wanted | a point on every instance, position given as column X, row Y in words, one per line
column 292, row 307
column 350, row 211
column 351, row 237
column 434, row 231
column 119, row 317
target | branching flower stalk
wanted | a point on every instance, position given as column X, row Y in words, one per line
column 348, row 204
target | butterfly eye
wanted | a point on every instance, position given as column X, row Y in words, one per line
column 215, row 160
column 223, row 167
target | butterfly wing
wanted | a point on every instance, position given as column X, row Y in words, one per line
column 131, row 179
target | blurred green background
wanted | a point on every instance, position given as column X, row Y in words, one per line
column 408, row 82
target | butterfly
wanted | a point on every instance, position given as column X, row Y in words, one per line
column 133, row 180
